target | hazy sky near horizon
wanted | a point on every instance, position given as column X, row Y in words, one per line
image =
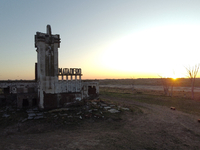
column 106, row 38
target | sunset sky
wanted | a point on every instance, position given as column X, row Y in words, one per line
column 106, row 38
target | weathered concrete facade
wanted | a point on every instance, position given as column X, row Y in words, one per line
column 23, row 93
column 47, row 91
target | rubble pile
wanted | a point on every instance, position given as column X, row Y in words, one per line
column 89, row 109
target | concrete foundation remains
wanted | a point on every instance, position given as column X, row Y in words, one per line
column 47, row 91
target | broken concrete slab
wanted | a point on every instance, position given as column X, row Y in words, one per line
column 31, row 115
column 39, row 114
column 35, row 109
column 123, row 108
column 113, row 111
column 5, row 115
column 106, row 108
column 30, row 111
column 24, row 119
column 58, row 110
column 104, row 105
column 38, row 117
column 78, row 113
column 95, row 103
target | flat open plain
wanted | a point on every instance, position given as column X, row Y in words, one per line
column 148, row 124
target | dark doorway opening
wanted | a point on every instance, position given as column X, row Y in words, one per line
column 2, row 101
column 25, row 103
column 6, row 90
column 34, row 102
column 91, row 90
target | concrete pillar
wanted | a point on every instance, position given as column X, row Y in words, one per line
column 47, row 62
column 67, row 83
column 76, row 82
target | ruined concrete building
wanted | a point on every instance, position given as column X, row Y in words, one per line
column 47, row 91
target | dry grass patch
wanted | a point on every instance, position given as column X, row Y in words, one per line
column 179, row 101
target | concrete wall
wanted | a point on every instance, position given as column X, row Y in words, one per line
column 22, row 100
column 90, row 88
column 19, row 91
column 19, row 86
column 59, row 100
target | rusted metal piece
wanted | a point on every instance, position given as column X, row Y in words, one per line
column 173, row 108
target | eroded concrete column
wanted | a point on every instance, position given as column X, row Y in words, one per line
column 47, row 46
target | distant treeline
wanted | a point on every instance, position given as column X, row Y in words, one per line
column 184, row 82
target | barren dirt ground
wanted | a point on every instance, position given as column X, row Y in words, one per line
column 148, row 127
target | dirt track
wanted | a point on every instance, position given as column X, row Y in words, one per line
column 157, row 127
column 162, row 128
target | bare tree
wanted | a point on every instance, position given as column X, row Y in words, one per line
column 192, row 73
column 133, row 84
column 167, row 83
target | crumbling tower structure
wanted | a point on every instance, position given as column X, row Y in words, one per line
column 47, row 46
column 53, row 87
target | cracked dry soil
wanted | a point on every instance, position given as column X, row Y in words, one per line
column 157, row 127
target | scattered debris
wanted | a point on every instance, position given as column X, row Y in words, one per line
column 173, row 108
column 106, row 108
column 95, row 103
column 24, row 119
column 91, row 109
column 113, row 111
column 124, row 108
column 6, row 115
column 104, row 105
column 78, row 98
column 38, row 117
column 58, row 110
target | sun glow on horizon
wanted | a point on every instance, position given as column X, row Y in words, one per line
column 158, row 50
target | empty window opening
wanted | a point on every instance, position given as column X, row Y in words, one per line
column 64, row 77
column 79, row 78
column 2, row 101
column 59, row 77
column 34, row 102
column 6, row 90
column 25, row 103
column 91, row 90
